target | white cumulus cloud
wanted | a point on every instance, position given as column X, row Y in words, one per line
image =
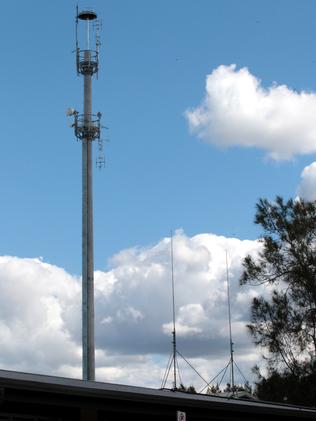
column 40, row 314
column 238, row 111
column 307, row 186
column 37, row 314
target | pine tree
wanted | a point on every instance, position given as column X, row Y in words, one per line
column 285, row 323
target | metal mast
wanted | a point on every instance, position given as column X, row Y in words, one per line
column 174, row 338
column 87, row 129
column 231, row 344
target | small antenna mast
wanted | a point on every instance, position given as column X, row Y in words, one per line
column 173, row 357
column 231, row 362
column 231, row 344
column 174, row 339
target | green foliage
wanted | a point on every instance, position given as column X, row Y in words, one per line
column 183, row 388
column 284, row 324
column 216, row 389
column 238, row 388
column 288, row 388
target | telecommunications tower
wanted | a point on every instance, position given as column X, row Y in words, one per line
column 87, row 128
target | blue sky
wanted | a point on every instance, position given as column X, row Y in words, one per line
column 154, row 60
column 210, row 105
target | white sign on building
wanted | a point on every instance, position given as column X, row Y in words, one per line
column 181, row 416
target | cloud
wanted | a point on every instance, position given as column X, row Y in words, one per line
column 40, row 315
column 238, row 111
column 36, row 315
column 307, row 186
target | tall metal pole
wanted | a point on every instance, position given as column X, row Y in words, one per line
column 231, row 344
column 174, row 338
column 87, row 237
column 87, row 129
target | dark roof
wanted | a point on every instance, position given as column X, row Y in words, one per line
column 100, row 392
